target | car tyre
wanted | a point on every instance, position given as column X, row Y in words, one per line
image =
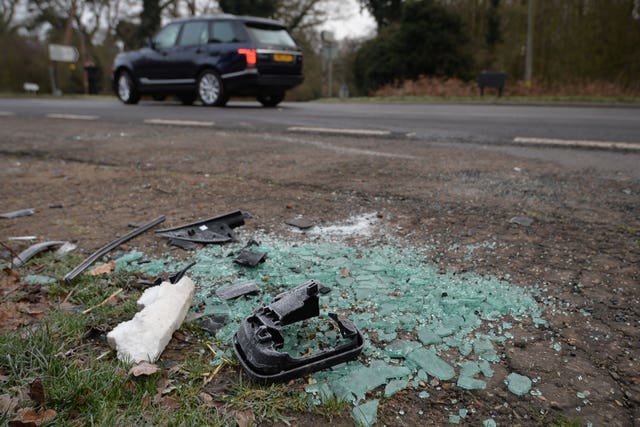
column 271, row 99
column 211, row 89
column 127, row 90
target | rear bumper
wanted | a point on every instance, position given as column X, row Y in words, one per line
column 251, row 82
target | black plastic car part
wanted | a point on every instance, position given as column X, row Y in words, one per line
column 259, row 337
column 33, row 250
column 109, row 247
column 218, row 229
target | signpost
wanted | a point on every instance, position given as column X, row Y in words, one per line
column 60, row 53
column 329, row 53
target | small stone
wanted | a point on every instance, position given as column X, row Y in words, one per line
column 454, row 419
column 489, row 423
column 524, row 221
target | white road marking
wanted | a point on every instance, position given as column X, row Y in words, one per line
column 71, row 116
column 338, row 149
column 577, row 143
column 178, row 122
column 363, row 132
column 6, row 113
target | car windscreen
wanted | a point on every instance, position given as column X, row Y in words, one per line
column 270, row 35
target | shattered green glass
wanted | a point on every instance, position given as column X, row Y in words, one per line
column 413, row 317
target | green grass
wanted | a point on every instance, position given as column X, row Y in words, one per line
column 42, row 94
column 489, row 99
column 86, row 385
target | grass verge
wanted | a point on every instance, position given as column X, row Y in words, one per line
column 85, row 384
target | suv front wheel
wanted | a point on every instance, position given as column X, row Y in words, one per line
column 127, row 91
column 211, row 89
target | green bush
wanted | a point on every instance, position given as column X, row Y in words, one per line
column 428, row 40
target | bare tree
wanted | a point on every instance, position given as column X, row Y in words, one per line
column 7, row 14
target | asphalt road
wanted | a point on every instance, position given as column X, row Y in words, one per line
column 485, row 124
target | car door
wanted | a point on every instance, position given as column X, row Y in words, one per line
column 186, row 57
column 225, row 39
column 154, row 67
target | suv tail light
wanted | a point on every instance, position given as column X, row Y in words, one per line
column 251, row 56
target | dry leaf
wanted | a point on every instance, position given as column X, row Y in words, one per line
column 9, row 284
column 36, row 391
column 206, row 397
column 8, row 403
column 245, row 418
column 33, row 309
column 162, row 383
column 27, row 417
column 145, row 401
column 170, row 402
column 130, row 386
column 103, row 269
column 167, row 390
column 143, row 368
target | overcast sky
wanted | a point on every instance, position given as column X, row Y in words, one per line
column 350, row 21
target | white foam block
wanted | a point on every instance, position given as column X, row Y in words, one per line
column 144, row 337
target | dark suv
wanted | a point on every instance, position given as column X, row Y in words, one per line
column 212, row 59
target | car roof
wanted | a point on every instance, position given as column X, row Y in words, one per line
column 226, row 16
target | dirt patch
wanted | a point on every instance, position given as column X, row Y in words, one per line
column 582, row 249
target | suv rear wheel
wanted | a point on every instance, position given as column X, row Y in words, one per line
column 211, row 89
column 271, row 99
column 127, row 91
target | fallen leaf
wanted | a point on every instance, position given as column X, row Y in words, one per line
column 8, row 403
column 144, row 404
column 130, row 386
column 206, row 397
column 143, row 368
column 245, row 418
column 36, row 391
column 33, row 309
column 9, row 284
column 103, row 269
column 163, row 383
column 27, row 417
column 170, row 402
column 167, row 390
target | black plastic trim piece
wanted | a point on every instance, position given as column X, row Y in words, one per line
column 109, row 247
column 259, row 337
column 218, row 229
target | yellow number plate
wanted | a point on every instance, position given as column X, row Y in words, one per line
column 280, row 57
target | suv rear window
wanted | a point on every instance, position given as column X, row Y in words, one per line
column 270, row 36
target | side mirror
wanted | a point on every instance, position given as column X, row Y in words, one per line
column 148, row 42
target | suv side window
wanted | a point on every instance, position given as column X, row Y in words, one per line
column 194, row 33
column 223, row 32
column 166, row 38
